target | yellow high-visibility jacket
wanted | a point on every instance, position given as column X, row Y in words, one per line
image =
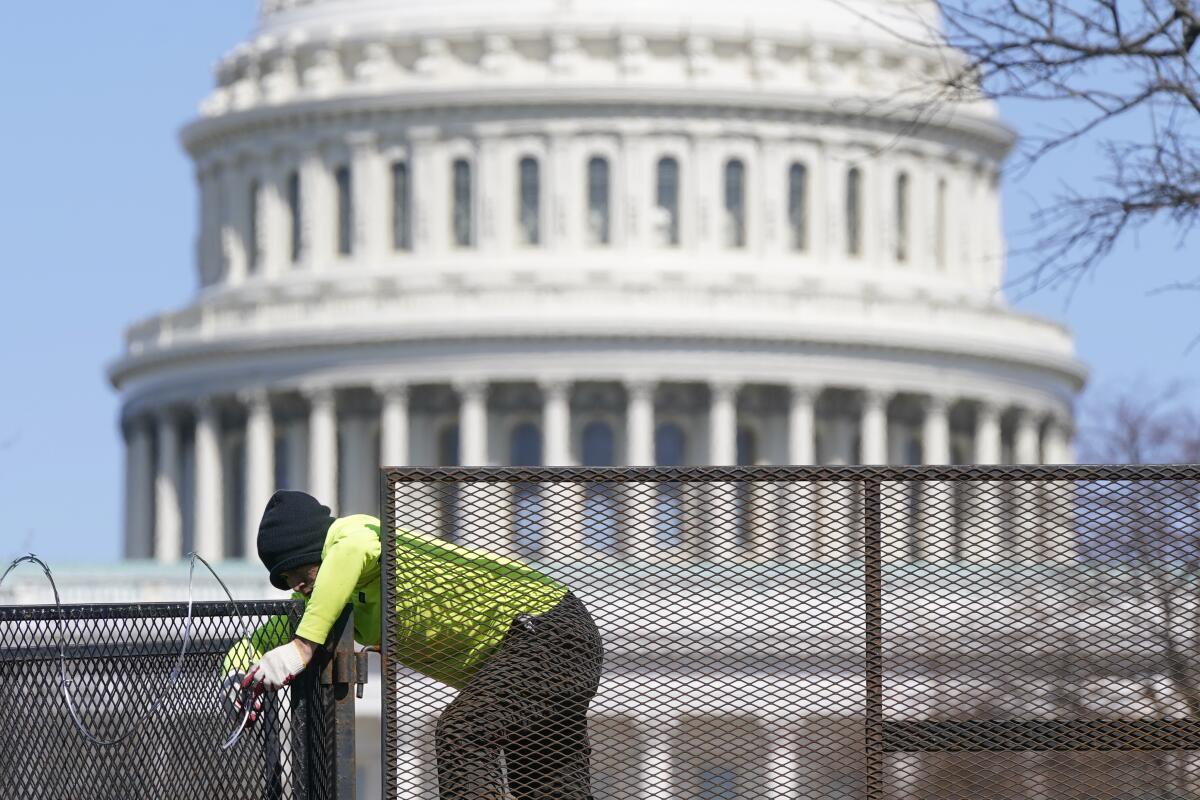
column 454, row 603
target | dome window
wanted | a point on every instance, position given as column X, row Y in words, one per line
column 401, row 207
column 939, row 222
column 734, row 228
column 345, row 211
column 253, row 245
column 666, row 217
column 798, row 207
column 854, row 212
column 599, row 215
column 462, row 217
column 902, row 217
column 530, row 202
column 293, row 202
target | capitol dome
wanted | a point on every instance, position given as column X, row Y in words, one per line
column 579, row 232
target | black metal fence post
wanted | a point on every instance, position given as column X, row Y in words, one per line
column 338, row 678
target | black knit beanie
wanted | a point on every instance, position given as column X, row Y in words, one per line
column 292, row 533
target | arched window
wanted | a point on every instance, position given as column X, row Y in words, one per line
column 798, row 206
column 293, row 201
column 463, row 220
column 939, row 223
column 670, row 444
column 401, row 207
column 902, row 217
column 666, row 209
column 345, row 211
column 447, row 447
column 735, row 203
column 529, row 214
column 854, row 212
column 526, row 449
column 747, row 447
column 525, row 445
column 253, row 246
column 599, row 215
column 599, row 445
column 599, row 499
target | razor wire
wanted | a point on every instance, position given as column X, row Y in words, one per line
column 172, row 681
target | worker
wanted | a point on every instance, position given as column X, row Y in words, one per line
column 520, row 647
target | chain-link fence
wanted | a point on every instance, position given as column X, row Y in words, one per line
column 988, row 633
column 76, row 683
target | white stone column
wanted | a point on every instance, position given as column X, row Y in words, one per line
column 801, row 501
column 987, row 434
column 783, row 765
column 935, row 431
column 168, row 524
column 260, row 463
column 209, row 488
column 874, row 427
column 724, row 507
column 322, row 446
column 556, row 423
column 985, row 527
column 722, row 424
column 802, row 425
column 393, row 426
column 472, row 420
column 657, row 780
column 639, row 423
column 139, row 513
column 1027, row 438
column 638, row 537
column 1058, row 520
column 371, row 201
column 935, row 533
column 1026, row 494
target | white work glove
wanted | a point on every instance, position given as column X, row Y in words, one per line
column 234, row 695
column 277, row 669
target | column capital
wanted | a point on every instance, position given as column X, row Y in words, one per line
column 640, row 386
column 254, row 396
column 724, row 386
column 989, row 406
column 873, row 396
column 471, row 387
column 804, row 391
column 395, row 389
column 937, row 404
column 319, row 394
column 555, row 386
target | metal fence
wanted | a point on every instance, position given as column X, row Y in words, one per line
column 118, row 659
column 934, row 632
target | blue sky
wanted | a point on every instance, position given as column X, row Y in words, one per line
column 97, row 222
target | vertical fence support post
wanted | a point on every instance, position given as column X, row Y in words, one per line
column 873, row 584
column 387, row 669
column 338, row 687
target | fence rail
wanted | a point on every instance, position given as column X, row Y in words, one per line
column 859, row 632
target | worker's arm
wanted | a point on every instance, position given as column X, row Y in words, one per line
column 341, row 569
column 247, row 650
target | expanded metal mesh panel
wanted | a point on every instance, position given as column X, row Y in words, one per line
column 792, row 633
column 118, row 659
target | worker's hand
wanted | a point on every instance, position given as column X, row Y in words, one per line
column 279, row 667
column 234, row 695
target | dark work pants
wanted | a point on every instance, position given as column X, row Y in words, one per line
column 529, row 701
